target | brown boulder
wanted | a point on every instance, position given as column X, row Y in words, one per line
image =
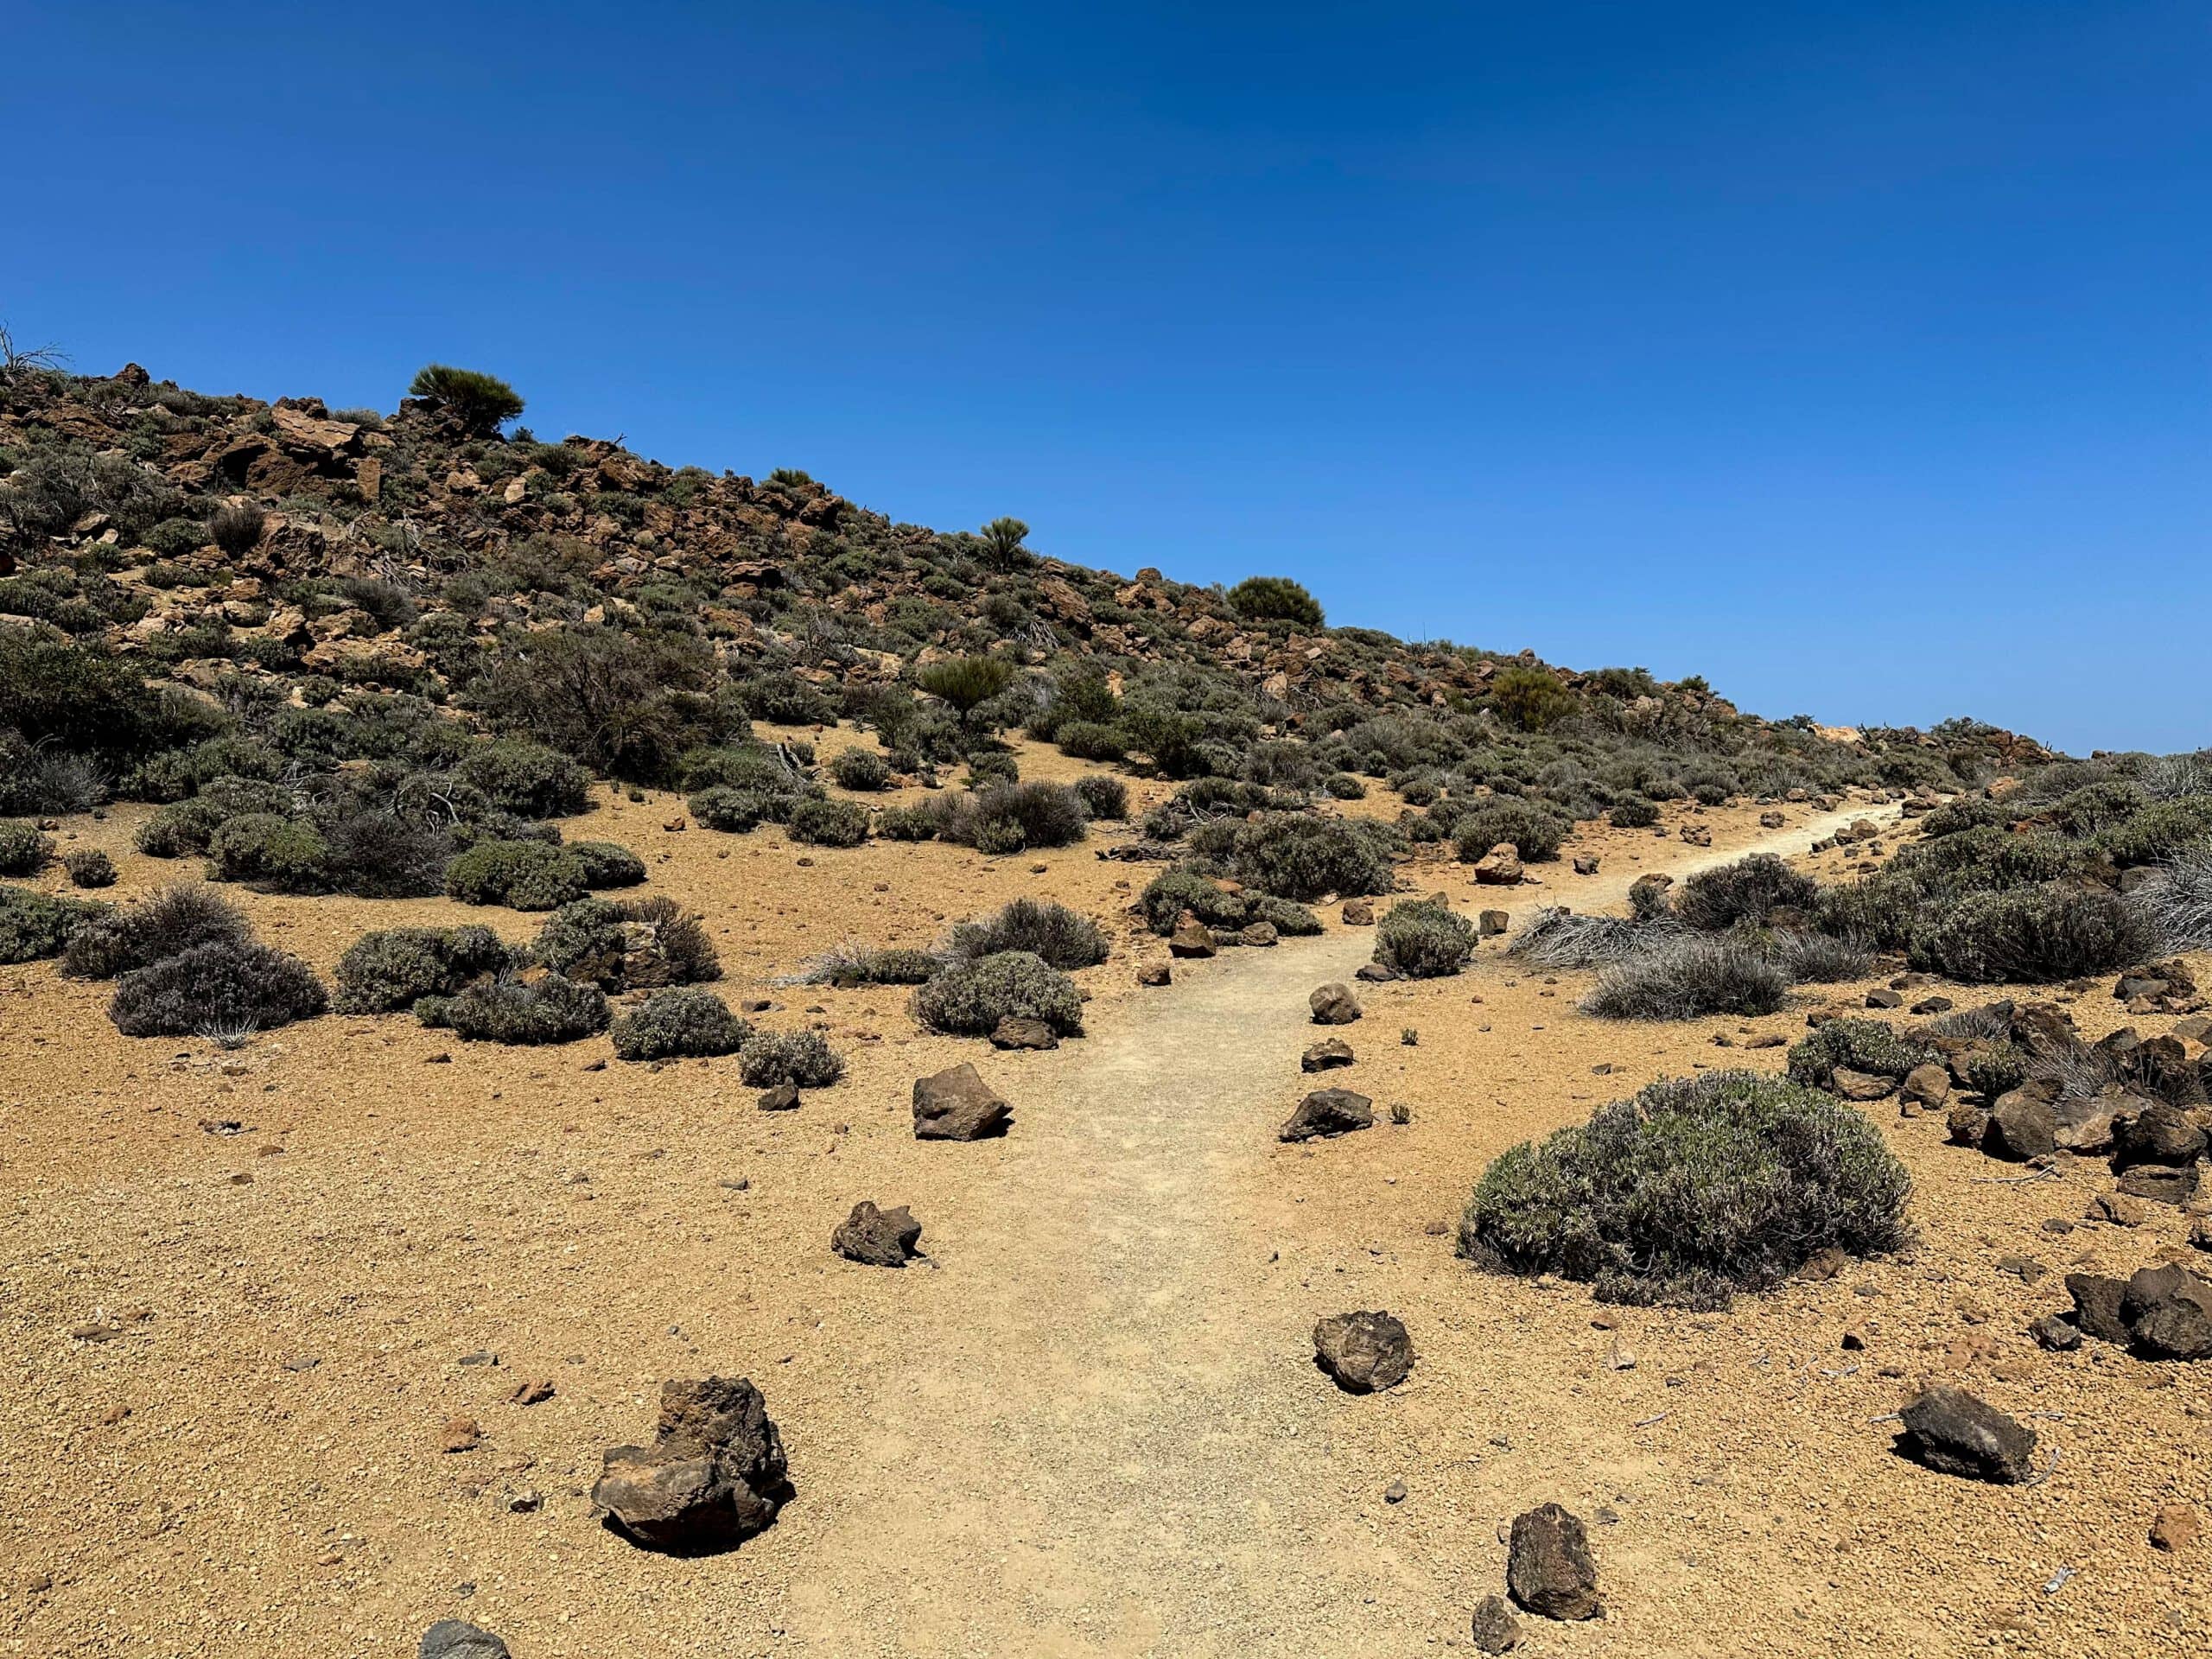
column 1549, row 1567
column 714, row 1476
column 877, row 1238
column 1014, row 1030
column 956, row 1104
column 1327, row 1112
column 1192, row 939
column 1329, row 1052
column 1363, row 1352
column 1500, row 866
column 1333, row 1004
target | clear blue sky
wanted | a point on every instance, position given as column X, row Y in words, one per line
column 1855, row 355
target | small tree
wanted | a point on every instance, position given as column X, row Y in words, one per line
column 1529, row 699
column 480, row 401
column 1002, row 543
column 965, row 682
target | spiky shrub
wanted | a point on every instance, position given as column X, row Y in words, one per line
column 968, row 999
column 1051, row 933
column 1690, row 1193
column 23, row 850
column 1012, row 819
column 1090, row 739
column 1689, row 980
column 2177, row 903
column 907, row 824
column 1745, row 891
column 1275, row 599
column 237, row 529
column 1424, row 941
column 1811, row 959
column 862, row 769
column 1870, row 1046
column 527, row 779
column 1301, row 856
column 803, row 1058
column 679, row 1024
column 89, row 868
column 966, row 683
column 628, row 944
column 264, row 849
column 481, row 403
column 523, row 875
column 1633, row 812
column 719, row 806
column 551, row 1008
column 2031, row 935
column 855, row 963
column 1536, row 831
column 34, row 925
column 829, row 824
column 223, row 985
column 394, row 968
column 174, row 920
column 1556, row 937
column 1104, row 797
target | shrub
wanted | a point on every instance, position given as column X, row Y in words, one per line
column 1996, row 1069
column 2160, row 832
column 803, row 1058
column 1292, row 921
column 1303, row 856
column 626, row 945
column 1691, row 1192
column 237, row 529
column 1344, row 786
column 1819, row 958
column 907, row 824
column 1423, row 940
column 23, row 850
column 2058, row 930
column 394, row 968
column 991, row 767
column 1529, row 699
column 858, row 964
column 829, row 824
column 966, row 683
column 1002, row 541
column 166, row 923
column 379, row 854
column 1556, row 937
column 968, row 999
column 684, row 1024
column 1171, row 893
column 721, row 807
column 481, row 403
column 1536, row 830
column 1102, row 796
column 2176, row 904
column 605, row 864
column 524, row 875
column 222, row 986
column 1088, row 739
column 34, row 925
column 1633, row 812
column 526, row 779
column 861, row 769
column 1687, row 980
column 1745, row 891
column 1275, row 599
column 1011, row 817
column 1051, row 933
column 551, row 1008
column 268, row 851
column 1868, row 1045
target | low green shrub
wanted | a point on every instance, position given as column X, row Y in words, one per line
column 1535, row 831
column 968, row 999
column 34, row 925
column 164, row 924
column 550, row 1008
column 1716, row 899
column 605, row 864
column 526, row 779
column 1869, row 1046
column 1688, row 980
column 522, row 874
column 1691, row 1192
column 679, row 1024
column 1303, row 856
column 829, row 824
column 1051, row 933
column 628, row 944
column 861, row 769
column 1093, row 740
column 393, row 969
column 1104, row 797
column 89, row 868
column 262, row 849
column 907, row 824
column 23, row 850
column 1633, row 812
column 803, row 1058
column 1423, row 940
column 2033, row 935
column 223, row 988
column 719, row 806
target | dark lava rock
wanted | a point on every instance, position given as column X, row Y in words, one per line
column 1549, row 1567
column 453, row 1638
column 1329, row 1052
column 2020, row 1127
column 956, row 1104
column 2055, row 1331
column 1952, row 1432
column 1326, row 1112
column 2159, row 1134
column 1496, row 1630
column 2161, row 1183
column 1363, row 1352
column 2168, row 1313
column 2096, row 1306
column 1333, row 1005
column 877, row 1238
column 783, row 1097
column 1015, row 1031
column 714, row 1476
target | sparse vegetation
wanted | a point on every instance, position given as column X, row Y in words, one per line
column 389, row 970
column 1424, row 941
column 968, row 999
column 679, row 1025
column 224, row 984
column 549, row 1008
column 1053, row 933
column 1688, row 980
column 801, row 1057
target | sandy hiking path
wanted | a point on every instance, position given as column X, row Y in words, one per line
column 1106, row 1444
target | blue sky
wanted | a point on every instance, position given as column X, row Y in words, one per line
column 1853, row 355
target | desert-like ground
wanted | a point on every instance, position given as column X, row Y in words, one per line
column 1089, row 1423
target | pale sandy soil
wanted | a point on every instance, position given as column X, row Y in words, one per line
column 1090, row 1424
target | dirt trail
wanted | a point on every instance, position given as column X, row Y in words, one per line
column 1107, row 1442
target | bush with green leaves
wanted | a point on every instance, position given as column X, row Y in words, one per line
column 521, row 875
column 804, row 1059
column 1688, row 980
column 1423, row 940
column 1633, row 812
column 734, row 811
column 1692, row 1192
column 1535, row 831
column 34, row 926
column 626, row 944
column 968, row 999
column 1873, row 1046
column 1012, row 819
column 966, row 683
column 1088, row 739
column 987, row 767
column 1745, row 891
column 863, row 770
column 164, row 924
column 605, row 864
column 1304, row 856
column 481, row 403
column 1344, row 786
column 907, row 824
column 1275, row 599
column 1104, row 798
column 525, row 778
column 2160, row 832
column 679, row 1025
column 829, row 824
column 854, row 963
column 549, row 1008
column 1050, row 932
column 223, row 988
column 265, row 849
column 393, row 969
column 2033, row 935
column 23, row 850
column 1171, row 893
column 236, row 528
column 1996, row 1069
